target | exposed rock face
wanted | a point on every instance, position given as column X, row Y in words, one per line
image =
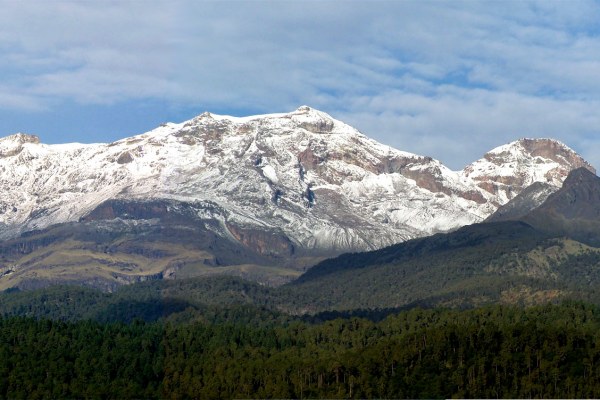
column 129, row 210
column 125, row 158
column 555, row 151
column 263, row 242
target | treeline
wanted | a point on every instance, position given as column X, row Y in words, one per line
column 545, row 351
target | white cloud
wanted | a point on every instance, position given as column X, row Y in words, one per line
column 457, row 125
column 447, row 79
column 84, row 51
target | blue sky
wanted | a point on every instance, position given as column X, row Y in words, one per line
column 446, row 79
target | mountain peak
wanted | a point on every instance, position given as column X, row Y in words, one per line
column 538, row 149
column 321, row 181
column 310, row 112
column 20, row 138
column 13, row 144
column 521, row 163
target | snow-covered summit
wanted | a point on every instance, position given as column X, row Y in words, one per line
column 303, row 174
column 20, row 138
column 13, row 144
column 506, row 169
column 304, row 116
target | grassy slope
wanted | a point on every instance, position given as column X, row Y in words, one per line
column 60, row 255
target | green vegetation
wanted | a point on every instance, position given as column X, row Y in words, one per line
column 147, row 301
column 498, row 351
column 506, row 262
column 352, row 327
column 472, row 267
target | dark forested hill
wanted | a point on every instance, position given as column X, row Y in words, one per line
column 507, row 261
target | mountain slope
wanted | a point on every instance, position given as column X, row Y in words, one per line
column 125, row 242
column 529, row 199
column 573, row 211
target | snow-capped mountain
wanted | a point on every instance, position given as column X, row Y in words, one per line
column 506, row 170
column 303, row 174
